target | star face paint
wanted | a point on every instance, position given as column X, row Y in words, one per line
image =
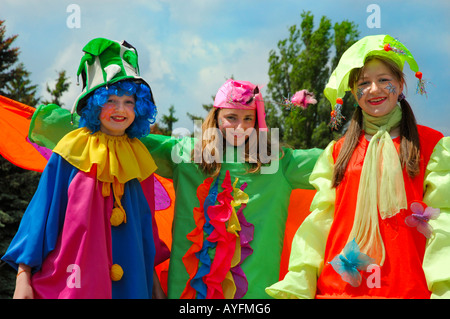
column 391, row 88
column 359, row 93
column 377, row 89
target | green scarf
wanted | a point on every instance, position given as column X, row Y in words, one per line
column 381, row 186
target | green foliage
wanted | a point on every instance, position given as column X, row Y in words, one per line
column 169, row 120
column 8, row 57
column 14, row 78
column 303, row 61
column 20, row 88
column 62, row 85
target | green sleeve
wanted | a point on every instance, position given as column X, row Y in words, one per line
column 308, row 244
column 298, row 166
column 50, row 123
column 168, row 151
column 437, row 190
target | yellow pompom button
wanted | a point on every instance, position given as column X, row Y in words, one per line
column 117, row 216
column 116, row 272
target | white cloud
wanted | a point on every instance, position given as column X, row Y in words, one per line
column 152, row 5
column 66, row 59
column 193, row 12
column 159, row 65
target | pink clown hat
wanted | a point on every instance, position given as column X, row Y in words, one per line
column 242, row 95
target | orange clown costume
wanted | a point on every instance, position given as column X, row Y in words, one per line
column 343, row 251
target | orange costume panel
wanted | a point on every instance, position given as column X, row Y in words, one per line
column 401, row 275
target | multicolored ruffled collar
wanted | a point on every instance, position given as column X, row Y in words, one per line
column 227, row 233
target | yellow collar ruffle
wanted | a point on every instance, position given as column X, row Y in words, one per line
column 119, row 159
column 115, row 156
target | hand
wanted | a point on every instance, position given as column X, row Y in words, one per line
column 158, row 292
column 23, row 283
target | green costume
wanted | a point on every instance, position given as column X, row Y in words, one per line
column 266, row 209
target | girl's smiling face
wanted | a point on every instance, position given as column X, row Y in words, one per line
column 377, row 88
column 117, row 114
column 236, row 124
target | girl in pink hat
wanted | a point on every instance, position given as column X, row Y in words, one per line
column 233, row 186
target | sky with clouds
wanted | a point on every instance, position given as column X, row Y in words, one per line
column 188, row 48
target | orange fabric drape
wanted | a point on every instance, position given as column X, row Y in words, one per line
column 164, row 219
column 15, row 120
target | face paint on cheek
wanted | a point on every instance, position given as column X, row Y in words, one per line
column 107, row 110
column 391, row 88
column 220, row 122
column 359, row 93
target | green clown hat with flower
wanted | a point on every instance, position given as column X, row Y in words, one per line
column 355, row 57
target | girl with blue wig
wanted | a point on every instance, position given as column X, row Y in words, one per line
column 144, row 109
column 89, row 231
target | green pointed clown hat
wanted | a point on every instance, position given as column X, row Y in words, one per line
column 355, row 57
column 106, row 62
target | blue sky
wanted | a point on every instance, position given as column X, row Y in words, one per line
column 188, row 48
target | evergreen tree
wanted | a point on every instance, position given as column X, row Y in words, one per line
column 169, row 120
column 20, row 89
column 8, row 57
column 14, row 78
column 62, row 85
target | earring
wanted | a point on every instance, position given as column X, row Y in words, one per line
column 401, row 96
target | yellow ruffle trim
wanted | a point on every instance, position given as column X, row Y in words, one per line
column 119, row 159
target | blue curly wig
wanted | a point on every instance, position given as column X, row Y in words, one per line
column 144, row 109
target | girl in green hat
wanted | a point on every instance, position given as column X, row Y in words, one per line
column 377, row 222
column 89, row 231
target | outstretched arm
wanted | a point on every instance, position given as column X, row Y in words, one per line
column 23, row 283
column 437, row 251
